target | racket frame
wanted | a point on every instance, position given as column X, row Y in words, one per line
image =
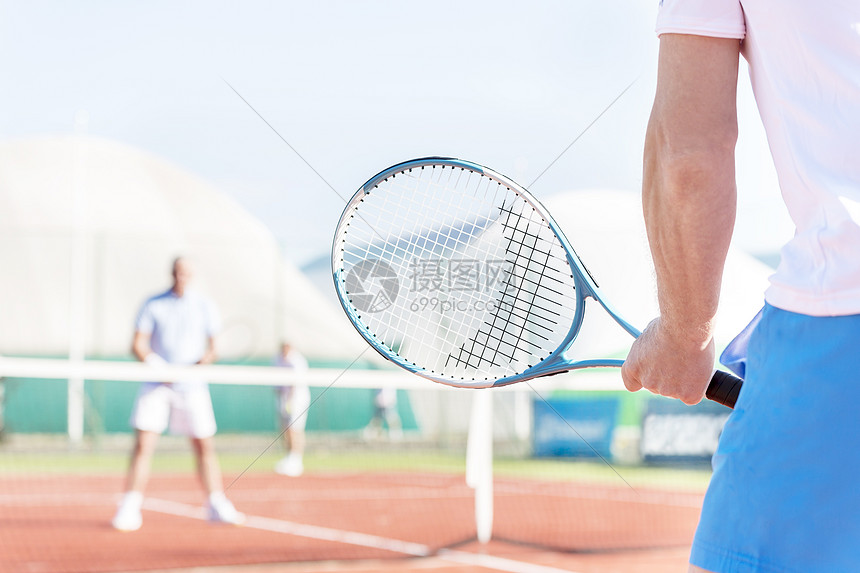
column 586, row 287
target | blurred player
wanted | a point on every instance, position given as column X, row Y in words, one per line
column 384, row 410
column 293, row 404
column 175, row 327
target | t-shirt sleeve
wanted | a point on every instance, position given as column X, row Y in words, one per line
column 301, row 363
column 145, row 321
column 714, row 18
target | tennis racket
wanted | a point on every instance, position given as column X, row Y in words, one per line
column 456, row 273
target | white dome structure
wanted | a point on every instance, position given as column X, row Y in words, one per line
column 123, row 215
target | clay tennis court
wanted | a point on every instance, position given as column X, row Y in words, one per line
column 336, row 521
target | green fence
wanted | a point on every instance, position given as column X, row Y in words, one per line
column 40, row 406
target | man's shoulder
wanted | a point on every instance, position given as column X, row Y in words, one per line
column 157, row 298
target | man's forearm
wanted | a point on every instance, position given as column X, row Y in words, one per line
column 210, row 356
column 689, row 198
column 140, row 346
column 688, row 193
column 689, row 203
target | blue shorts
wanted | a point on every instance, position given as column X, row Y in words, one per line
column 785, row 494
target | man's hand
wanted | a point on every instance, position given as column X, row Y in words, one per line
column 670, row 363
column 210, row 356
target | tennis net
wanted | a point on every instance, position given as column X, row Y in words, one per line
column 531, row 464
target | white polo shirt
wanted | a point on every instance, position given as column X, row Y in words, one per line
column 294, row 361
column 180, row 326
column 804, row 61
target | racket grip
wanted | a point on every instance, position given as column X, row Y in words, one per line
column 724, row 388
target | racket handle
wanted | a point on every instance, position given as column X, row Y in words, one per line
column 724, row 388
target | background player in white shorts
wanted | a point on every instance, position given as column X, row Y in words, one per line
column 175, row 327
column 293, row 404
column 384, row 409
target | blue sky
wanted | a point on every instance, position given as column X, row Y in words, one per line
column 354, row 87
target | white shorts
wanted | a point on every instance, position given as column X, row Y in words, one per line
column 385, row 399
column 293, row 404
column 187, row 410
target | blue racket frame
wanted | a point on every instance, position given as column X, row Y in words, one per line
column 586, row 287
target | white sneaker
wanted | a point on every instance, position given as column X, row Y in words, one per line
column 291, row 466
column 220, row 510
column 128, row 517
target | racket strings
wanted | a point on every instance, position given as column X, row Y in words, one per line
column 468, row 228
column 399, row 198
column 478, row 296
column 511, row 331
column 488, row 343
column 432, row 242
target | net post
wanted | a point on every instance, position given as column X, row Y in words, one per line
column 78, row 287
column 479, row 462
column 523, row 415
column 75, row 410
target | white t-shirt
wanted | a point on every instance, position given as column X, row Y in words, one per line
column 299, row 364
column 294, row 360
column 180, row 326
column 804, row 60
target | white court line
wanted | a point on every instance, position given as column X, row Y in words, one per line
column 355, row 538
column 669, row 499
column 497, row 563
column 298, row 529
